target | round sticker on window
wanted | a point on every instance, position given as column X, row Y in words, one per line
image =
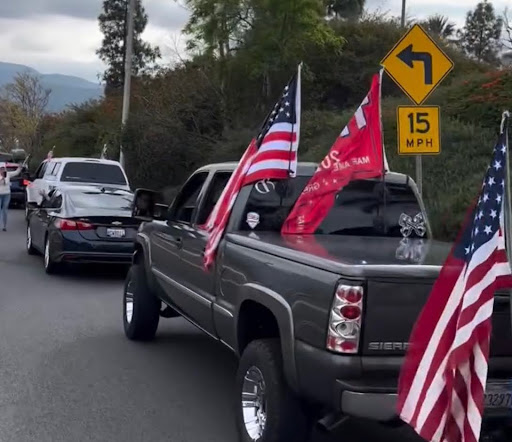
column 253, row 219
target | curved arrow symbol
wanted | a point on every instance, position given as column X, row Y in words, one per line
column 408, row 56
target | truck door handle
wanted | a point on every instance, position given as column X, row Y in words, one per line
column 177, row 241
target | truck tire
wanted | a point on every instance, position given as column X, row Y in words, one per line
column 141, row 309
column 272, row 412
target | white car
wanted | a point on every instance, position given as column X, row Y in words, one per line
column 56, row 172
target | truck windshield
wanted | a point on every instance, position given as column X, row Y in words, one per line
column 361, row 208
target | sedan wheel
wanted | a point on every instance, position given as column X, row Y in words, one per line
column 50, row 265
column 30, row 247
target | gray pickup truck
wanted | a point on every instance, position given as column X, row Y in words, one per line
column 320, row 322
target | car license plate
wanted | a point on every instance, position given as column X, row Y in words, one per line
column 499, row 395
column 116, row 233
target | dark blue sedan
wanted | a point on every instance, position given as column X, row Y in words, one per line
column 83, row 224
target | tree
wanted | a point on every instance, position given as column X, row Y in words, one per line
column 345, row 8
column 481, row 35
column 113, row 21
column 440, row 26
column 507, row 40
column 23, row 108
column 216, row 27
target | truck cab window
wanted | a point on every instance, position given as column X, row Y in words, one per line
column 219, row 182
column 361, row 208
column 364, row 208
column 187, row 200
column 272, row 201
column 41, row 170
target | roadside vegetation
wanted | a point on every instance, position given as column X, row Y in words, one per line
column 206, row 103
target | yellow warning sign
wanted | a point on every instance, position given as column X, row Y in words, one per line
column 417, row 64
column 419, row 130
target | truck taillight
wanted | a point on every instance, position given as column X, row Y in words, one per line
column 67, row 224
column 345, row 320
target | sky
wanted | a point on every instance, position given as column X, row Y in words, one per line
column 61, row 36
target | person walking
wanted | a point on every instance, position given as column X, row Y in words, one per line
column 5, row 191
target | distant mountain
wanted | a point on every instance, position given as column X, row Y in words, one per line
column 66, row 89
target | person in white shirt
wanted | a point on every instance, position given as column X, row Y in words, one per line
column 5, row 192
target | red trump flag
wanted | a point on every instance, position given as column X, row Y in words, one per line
column 356, row 154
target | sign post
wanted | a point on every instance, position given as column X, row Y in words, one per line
column 418, row 65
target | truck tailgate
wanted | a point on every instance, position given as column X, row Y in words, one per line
column 392, row 307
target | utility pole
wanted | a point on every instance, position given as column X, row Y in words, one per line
column 127, row 70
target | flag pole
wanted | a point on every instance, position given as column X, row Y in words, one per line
column 297, row 105
column 508, row 203
column 385, row 166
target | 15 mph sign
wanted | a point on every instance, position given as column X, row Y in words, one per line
column 417, row 64
column 419, row 130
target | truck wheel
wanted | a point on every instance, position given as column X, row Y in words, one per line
column 266, row 408
column 141, row 309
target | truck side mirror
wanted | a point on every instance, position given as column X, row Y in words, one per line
column 145, row 206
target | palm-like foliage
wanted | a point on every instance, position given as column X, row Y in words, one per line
column 345, row 8
column 440, row 26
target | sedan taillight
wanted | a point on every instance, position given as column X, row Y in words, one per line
column 67, row 224
column 345, row 319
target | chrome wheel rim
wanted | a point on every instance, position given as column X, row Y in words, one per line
column 47, row 254
column 254, row 403
column 29, row 238
column 128, row 302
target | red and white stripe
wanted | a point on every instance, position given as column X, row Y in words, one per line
column 218, row 219
column 277, row 156
column 442, row 391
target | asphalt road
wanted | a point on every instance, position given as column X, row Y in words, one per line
column 67, row 373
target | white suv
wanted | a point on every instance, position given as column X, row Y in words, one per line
column 56, row 172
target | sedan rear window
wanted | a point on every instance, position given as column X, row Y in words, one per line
column 100, row 200
column 93, row 173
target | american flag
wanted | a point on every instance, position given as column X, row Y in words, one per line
column 443, row 380
column 272, row 155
